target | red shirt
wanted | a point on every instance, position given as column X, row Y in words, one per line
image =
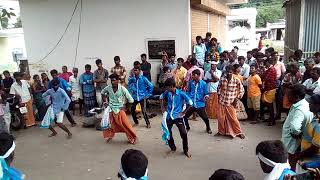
column 187, row 65
column 270, row 78
column 66, row 76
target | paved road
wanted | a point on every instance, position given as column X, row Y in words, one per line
column 86, row 156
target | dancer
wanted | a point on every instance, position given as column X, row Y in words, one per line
column 140, row 88
column 116, row 94
column 60, row 102
column 198, row 92
column 176, row 99
column 230, row 91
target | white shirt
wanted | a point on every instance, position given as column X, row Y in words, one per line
column 22, row 90
column 315, row 86
column 317, row 65
column 213, row 86
column 251, row 61
column 75, row 87
column 200, row 52
column 245, row 72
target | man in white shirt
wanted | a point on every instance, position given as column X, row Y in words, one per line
column 76, row 90
column 312, row 84
column 21, row 89
column 212, row 77
column 244, row 72
column 199, row 51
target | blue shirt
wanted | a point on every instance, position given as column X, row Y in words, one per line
column 140, row 87
column 86, row 80
column 10, row 173
column 197, row 92
column 175, row 103
column 63, row 84
column 171, row 66
column 59, row 99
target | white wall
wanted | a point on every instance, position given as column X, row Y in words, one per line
column 109, row 28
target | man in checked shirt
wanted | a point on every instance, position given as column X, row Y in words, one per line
column 230, row 91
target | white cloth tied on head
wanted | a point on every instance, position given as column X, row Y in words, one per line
column 277, row 170
column 6, row 155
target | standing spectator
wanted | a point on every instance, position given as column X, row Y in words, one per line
column 207, row 40
column 7, row 82
column 163, row 64
column 172, row 65
column 60, row 103
column 76, row 90
column 223, row 61
column 88, row 91
column 136, row 65
column 292, row 77
column 145, row 67
column 21, row 88
column 100, row 78
column 37, row 90
column 212, row 77
column 165, row 75
column 254, row 94
column 140, row 88
column 236, row 72
column 232, row 56
column 312, row 84
column 63, row 84
column 299, row 115
column 198, row 92
column 250, row 59
column 273, row 159
column 176, row 99
column 298, row 57
column 199, row 51
column 306, row 69
column 179, row 73
column 244, row 72
column 115, row 95
column 188, row 64
column 194, row 67
column 269, row 90
column 65, row 74
column 45, row 80
column 119, row 70
column 230, row 91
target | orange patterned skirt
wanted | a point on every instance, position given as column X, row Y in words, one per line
column 212, row 105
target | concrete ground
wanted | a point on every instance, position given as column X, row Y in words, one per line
column 87, row 156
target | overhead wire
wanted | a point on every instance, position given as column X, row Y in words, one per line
column 78, row 38
column 60, row 39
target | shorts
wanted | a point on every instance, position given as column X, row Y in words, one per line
column 59, row 117
column 254, row 103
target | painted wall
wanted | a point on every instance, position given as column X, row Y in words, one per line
column 109, row 28
column 7, row 46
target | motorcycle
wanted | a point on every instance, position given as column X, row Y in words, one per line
column 17, row 111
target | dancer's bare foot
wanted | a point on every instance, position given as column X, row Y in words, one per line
column 187, row 154
column 148, row 126
column 170, row 153
column 108, row 140
column 241, row 136
column 209, row 131
column 135, row 141
column 52, row 134
column 69, row 136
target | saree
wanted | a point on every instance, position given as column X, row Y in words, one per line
column 120, row 124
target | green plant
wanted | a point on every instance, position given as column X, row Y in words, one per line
column 5, row 15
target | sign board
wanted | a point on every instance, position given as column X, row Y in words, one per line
column 155, row 47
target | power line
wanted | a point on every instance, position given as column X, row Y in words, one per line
column 60, row 39
column 78, row 38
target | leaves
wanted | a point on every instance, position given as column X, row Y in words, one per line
column 5, row 15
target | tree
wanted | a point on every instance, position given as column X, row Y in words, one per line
column 5, row 15
column 18, row 24
column 268, row 11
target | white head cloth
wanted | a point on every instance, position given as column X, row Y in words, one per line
column 277, row 170
column 6, row 155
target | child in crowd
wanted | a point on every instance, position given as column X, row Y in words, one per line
column 199, row 51
column 292, row 77
column 254, row 94
column 273, row 159
column 226, row 174
column 60, row 102
column 134, row 165
column 7, row 147
column 236, row 72
column 176, row 99
column 198, row 91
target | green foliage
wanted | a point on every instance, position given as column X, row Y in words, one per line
column 268, row 11
column 5, row 15
column 18, row 24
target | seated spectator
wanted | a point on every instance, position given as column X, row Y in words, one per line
column 7, row 82
column 226, row 174
column 134, row 165
column 273, row 159
column 7, row 147
column 313, row 84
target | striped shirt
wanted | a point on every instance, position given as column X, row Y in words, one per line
column 228, row 91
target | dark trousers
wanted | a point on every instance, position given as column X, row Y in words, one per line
column 183, row 134
column 244, row 98
column 69, row 117
column 143, row 109
column 201, row 112
column 279, row 100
